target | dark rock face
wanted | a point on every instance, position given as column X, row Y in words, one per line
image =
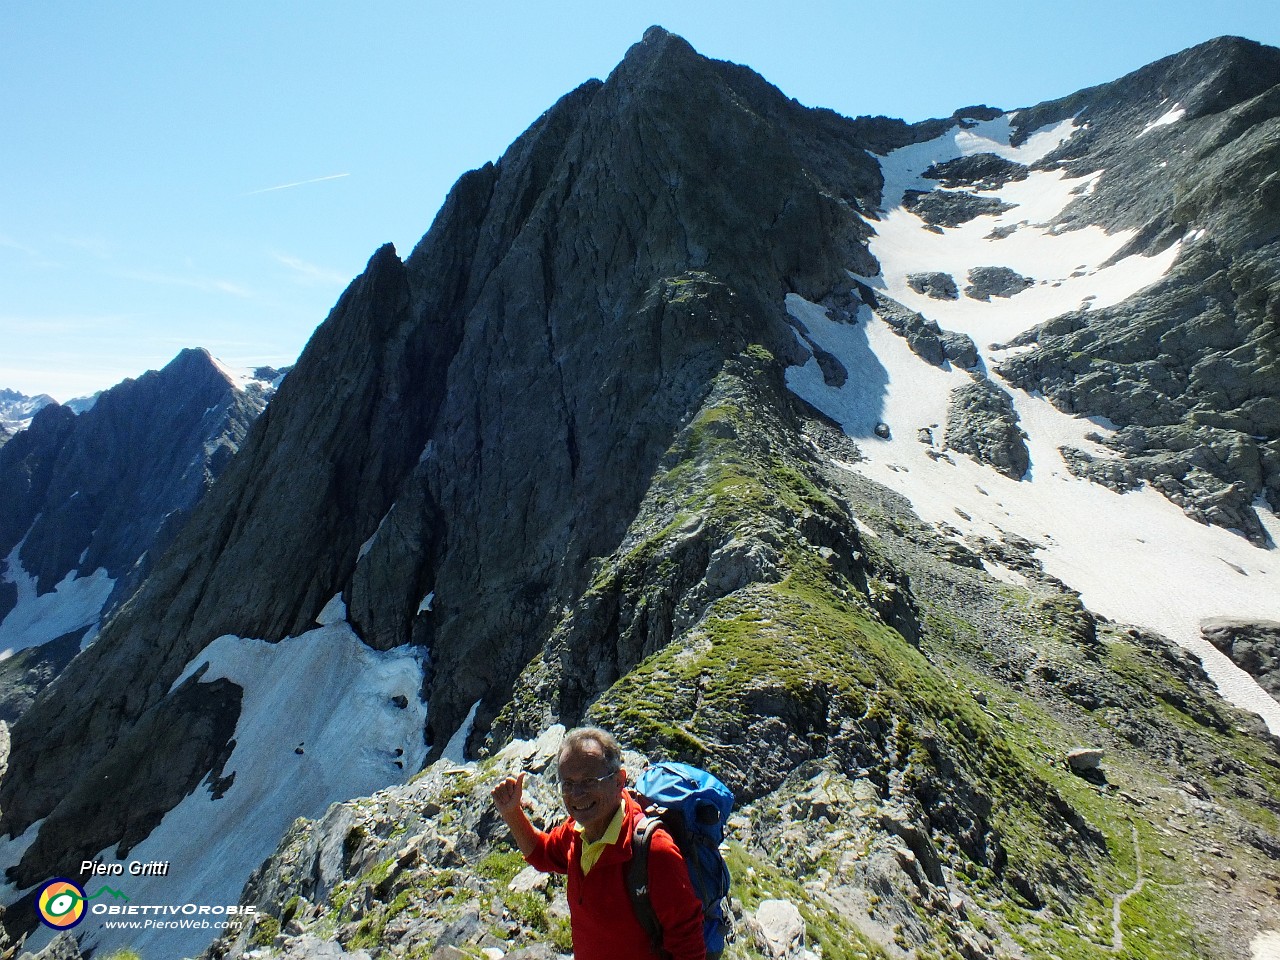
column 940, row 286
column 950, row 209
column 189, row 739
column 400, row 456
column 1253, row 647
column 981, row 171
column 108, row 489
column 982, row 423
column 988, row 282
column 26, row 470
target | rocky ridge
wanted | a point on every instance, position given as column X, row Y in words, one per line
column 882, row 835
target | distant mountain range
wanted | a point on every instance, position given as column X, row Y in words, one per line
column 91, row 498
column 919, row 480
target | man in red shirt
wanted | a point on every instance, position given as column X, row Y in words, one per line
column 593, row 846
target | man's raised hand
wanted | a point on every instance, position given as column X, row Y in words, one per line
column 509, row 794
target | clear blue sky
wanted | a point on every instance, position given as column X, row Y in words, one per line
column 142, row 140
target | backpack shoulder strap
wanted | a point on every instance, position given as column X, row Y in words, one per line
column 638, row 881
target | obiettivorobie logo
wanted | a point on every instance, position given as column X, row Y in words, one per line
column 61, row 902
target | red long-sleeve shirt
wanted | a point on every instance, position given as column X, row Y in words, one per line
column 604, row 924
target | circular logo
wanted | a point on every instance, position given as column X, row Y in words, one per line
column 60, row 904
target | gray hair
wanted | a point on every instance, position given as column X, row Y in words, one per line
column 574, row 739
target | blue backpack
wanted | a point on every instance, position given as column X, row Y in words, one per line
column 692, row 806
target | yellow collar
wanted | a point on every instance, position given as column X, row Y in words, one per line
column 591, row 851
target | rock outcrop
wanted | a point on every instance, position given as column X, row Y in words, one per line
column 980, row 171
column 951, row 208
column 940, row 286
column 928, row 341
column 988, row 282
column 982, row 423
column 1253, row 647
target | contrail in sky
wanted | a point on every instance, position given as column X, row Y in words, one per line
column 299, row 183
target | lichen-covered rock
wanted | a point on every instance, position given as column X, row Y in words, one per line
column 988, row 282
column 939, row 286
column 982, row 423
column 946, row 208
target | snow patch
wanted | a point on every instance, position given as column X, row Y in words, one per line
column 455, row 750
column 427, row 601
column 75, row 604
column 11, row 852
column 317, row 726
column 903, row 167
column 1134, row 557
column 1167, row 119
column 368, row 544
column 1067, row 266
column 335, row 611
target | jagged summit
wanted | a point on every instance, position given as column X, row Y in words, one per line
column 90, row 501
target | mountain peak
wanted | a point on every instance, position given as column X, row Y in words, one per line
column 658, row 39
column 658, row 46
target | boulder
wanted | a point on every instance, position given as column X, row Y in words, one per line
column 982, row 423
column 943, row 208
column 988, row 282
column 1084, row 759
column 778, row 929
column 939, row 286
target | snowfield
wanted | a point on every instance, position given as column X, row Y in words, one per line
column 320, row 722
column 74, row 605
column 1135, row 558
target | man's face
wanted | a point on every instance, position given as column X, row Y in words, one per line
column 591, row 794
